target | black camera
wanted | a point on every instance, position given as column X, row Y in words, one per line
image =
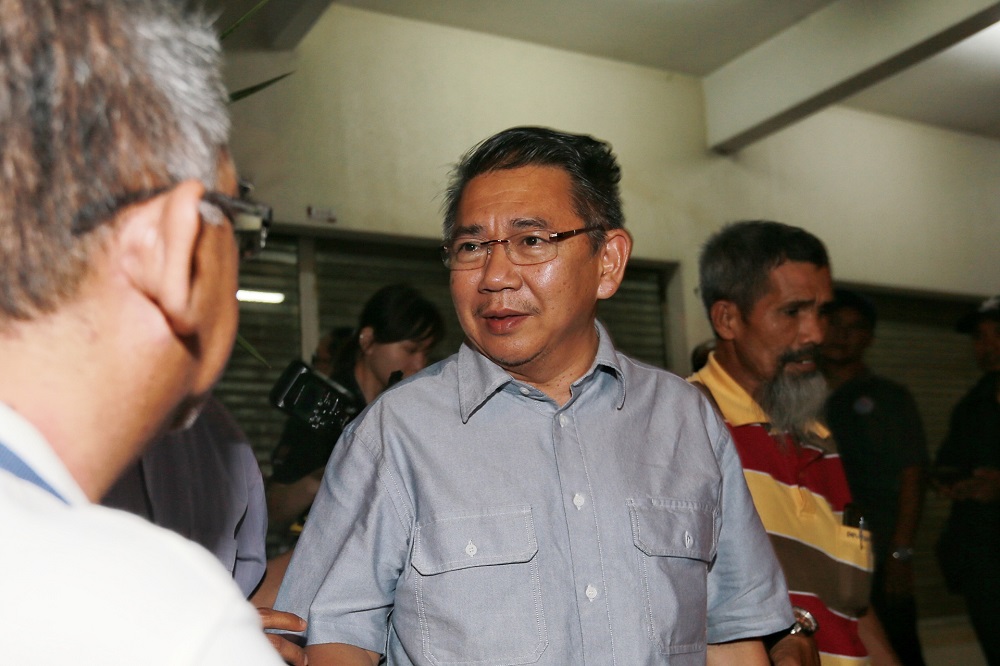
column 309, row 396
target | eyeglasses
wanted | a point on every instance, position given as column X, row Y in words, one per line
column 251, row 221
column 524, row 249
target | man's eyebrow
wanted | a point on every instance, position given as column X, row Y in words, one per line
column 524, row 223
column 467, row 230
column 517, row 224
column 800, row 303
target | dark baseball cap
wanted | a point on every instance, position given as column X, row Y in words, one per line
column 988, row 309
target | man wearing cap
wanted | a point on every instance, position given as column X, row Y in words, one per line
column 968, row 472
column 881, row 442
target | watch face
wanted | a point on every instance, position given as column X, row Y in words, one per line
column 804, row 620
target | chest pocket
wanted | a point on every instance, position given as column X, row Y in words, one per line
column 478, row 590
column 675, row 542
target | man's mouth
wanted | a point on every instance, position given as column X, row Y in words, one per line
column 502, row 320
column 802, row 360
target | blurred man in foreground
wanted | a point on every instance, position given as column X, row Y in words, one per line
column 117, row 314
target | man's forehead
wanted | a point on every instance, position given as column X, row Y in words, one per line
column 528, row 197
column 800, row 281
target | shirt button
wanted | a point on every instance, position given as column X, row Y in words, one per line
column 579, row 500
column 525, row 390
column 591, row 592
column 471, row 549
column 563, row 420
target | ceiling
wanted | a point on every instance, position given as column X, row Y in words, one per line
column 931, row 61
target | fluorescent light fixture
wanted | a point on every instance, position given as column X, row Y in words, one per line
column 271, row 297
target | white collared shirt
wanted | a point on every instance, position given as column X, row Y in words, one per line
column 85, row 585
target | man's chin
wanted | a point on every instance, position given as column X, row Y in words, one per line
column 793, row 400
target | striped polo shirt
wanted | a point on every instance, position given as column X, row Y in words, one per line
column 800, row 492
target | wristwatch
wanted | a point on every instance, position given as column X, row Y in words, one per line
column 805, row 623
column 903, row 554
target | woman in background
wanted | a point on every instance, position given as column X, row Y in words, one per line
column 395, row 333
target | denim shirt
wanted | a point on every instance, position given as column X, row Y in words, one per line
column 466, row 518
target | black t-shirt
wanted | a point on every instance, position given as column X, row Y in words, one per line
column 878, row 431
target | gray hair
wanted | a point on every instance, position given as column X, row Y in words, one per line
column 101, row 103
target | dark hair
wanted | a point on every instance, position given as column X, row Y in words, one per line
column 737, row 261
column 845, row 298
column 101, row 101
column 591, row 166
column 699, row 355
column 395, row 313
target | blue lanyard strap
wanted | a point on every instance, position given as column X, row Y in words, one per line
column 11, row 462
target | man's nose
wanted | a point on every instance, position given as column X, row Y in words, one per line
column 813, row 328
column 499, row 272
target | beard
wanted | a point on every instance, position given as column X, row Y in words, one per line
column 793, row 402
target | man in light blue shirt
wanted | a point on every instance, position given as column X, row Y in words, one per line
column 537, row 498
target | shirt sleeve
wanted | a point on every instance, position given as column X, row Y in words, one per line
column 343, row 575
column 251, row 535
column 747, row 596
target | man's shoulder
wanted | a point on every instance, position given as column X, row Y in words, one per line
column 637, row 371
column 114, row 572
column 117, row 544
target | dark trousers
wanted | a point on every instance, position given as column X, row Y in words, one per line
column 983, row 602
column 898, row 616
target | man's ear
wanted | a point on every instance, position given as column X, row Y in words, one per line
column 158, row 239
column 366, row 338
column 614, row 257
column 726, row 319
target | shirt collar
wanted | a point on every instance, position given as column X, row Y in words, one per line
column 30, row 446
column 737, row 406
column 479, row 378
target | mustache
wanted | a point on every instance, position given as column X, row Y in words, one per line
column 524, row 308
column 807, row 353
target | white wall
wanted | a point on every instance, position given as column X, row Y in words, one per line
column 379, row 108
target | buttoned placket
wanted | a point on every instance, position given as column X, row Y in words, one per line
column 585, row 539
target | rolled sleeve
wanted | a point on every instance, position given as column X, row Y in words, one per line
column 343, row 575
column 747, row 595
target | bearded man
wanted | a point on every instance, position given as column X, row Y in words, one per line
column 765, row 286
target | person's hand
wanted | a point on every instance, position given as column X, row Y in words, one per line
column 795, row 650
column 898, row 578
column 271, row 619
column 982, row 486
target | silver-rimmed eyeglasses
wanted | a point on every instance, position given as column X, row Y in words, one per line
column 524, row 249
column 251, row 221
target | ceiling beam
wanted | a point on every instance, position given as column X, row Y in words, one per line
column 828, row 56
column 288, row 22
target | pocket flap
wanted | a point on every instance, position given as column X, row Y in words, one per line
column 447, row 543
column 674, row 528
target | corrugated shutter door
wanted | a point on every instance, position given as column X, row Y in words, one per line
column 636, row 315
column 273, row 330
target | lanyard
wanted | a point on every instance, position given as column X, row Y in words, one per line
column 12, row 463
